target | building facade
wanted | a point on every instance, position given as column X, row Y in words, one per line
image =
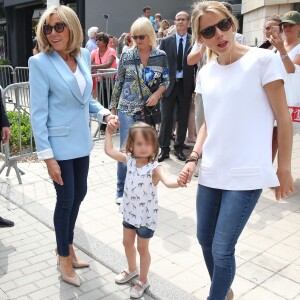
column 18, row 19
column 256, row 12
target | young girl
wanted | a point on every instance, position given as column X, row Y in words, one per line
column 140, row 205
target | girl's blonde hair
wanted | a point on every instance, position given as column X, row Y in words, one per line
column 204, row 7
column 69, row 17
column 149, row 134
column 143, row 26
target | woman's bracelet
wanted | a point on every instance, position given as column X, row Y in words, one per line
column 198, row 156
column 192, row 159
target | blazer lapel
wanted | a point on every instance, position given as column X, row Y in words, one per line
column 66, row 74
column 174, row 46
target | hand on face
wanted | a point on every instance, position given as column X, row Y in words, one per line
column 277, row 41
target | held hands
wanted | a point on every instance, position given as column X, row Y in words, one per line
column 286, row 185
column 186, row 174
column 5, row 135
column 54, row 170
column 112, row 123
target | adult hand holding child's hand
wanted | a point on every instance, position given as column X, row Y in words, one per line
column 112, row 123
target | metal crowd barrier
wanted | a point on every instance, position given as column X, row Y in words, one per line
column 7, row 75
column 10, row 75
column 104, row 80
column 21, row 74
column 16, row 98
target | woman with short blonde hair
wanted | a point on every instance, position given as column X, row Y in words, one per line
column 70, row 19
column 143, row 76
column 142, row 26
column 60, row 103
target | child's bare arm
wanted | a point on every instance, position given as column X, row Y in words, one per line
column 109, row 148
column 160, row 175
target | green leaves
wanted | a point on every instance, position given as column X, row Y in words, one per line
column 20, row 140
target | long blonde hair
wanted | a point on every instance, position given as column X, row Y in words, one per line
column 143, row 26
column 204, row 7
column 69, row 17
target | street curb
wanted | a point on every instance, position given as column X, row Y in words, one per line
column 107, row 256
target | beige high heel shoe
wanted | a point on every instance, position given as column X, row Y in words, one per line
column 62, row 262
column 230, row 295
column 77, row 263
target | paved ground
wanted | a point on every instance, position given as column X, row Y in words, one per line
column 268, row 254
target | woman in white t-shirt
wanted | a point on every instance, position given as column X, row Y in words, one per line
column 289, row 49
column 243, row 93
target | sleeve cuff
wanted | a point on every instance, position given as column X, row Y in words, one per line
column 102, row 114
column 45, row 154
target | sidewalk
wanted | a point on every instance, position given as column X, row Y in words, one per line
column 268, row 254
column 28, row 265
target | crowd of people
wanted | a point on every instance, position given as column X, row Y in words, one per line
column 193, row 80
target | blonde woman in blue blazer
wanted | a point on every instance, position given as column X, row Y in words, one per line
column 61, row 87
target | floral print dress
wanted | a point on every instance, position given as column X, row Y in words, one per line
column 126, row 95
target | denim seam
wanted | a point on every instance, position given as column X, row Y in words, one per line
column 237, row 228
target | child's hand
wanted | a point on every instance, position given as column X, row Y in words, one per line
column 182, row 179
column 185, row 175
column 112, row 123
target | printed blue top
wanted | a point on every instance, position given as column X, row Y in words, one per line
column 126, row 95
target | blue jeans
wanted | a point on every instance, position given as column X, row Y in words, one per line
column 221, row 218
column 69, row 196
column 126, row 122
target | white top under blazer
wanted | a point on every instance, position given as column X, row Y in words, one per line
column 237, row 153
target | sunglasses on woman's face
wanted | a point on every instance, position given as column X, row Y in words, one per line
column 141, row 37
column 209, row 32
column 59, row 27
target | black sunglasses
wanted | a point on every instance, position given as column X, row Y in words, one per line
column 141, row 37
column 210, row 31
column 59, row 27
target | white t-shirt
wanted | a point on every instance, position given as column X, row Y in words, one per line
column 80, row 79
column 237, row 153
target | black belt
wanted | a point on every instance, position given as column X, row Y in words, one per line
column 179, row 79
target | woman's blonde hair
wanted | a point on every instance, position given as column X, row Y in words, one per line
column 143, row 26
column 69, row 17
column 204, row 7
column 149, row 134
column 163, row 22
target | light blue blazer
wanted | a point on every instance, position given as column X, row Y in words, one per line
column 59, row 112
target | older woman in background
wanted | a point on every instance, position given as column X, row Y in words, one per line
column 127, row 100
column 60, row 97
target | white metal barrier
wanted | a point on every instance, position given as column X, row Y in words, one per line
column 7, row 75
column 104, row 81
column 21, row 74
column 16, row 99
